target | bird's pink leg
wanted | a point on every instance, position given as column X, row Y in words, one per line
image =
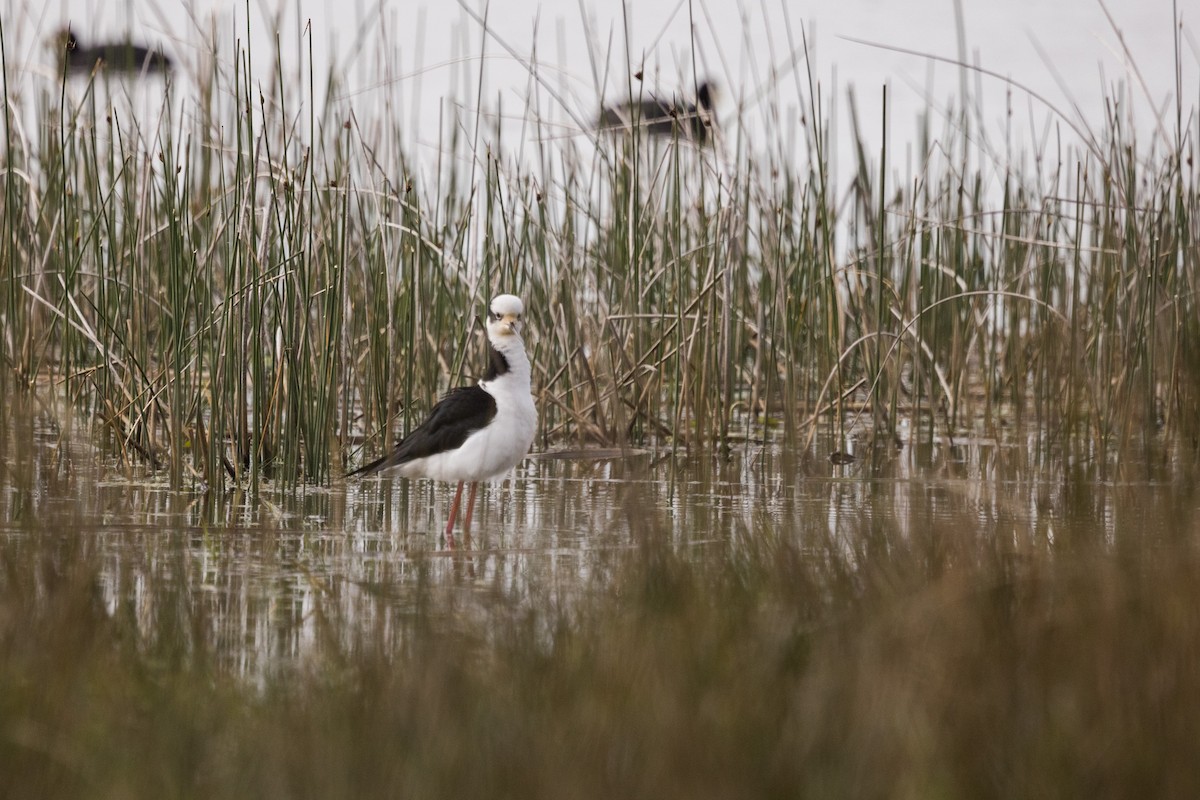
column 453, row 516
column 470, row 507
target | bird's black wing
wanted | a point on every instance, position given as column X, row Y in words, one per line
column 659, row 116
column 455, row 417
column 644, row 112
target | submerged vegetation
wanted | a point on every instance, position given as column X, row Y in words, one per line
column 242, row 290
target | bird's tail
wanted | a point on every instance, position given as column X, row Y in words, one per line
column 375, row 466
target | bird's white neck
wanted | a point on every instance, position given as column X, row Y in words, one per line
column 512, row 348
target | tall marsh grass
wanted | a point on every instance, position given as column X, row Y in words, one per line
column 259, row 288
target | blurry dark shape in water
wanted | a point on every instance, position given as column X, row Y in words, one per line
column 664, row 117
column 122, row 56
column 838, row 458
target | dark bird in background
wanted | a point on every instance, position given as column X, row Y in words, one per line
column 112, row 55
column 672, row 117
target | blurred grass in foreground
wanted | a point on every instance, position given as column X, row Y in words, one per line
column 943, row 664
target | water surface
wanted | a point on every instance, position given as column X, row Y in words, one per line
column 279, row 577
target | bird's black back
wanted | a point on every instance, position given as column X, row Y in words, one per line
column 456, row 416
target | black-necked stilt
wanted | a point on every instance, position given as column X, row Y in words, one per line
column 475, row 433
column 662, row 117
column 118, row 56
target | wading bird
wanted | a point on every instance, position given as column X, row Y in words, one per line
column 474, row 433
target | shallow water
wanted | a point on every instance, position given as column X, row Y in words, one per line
column 278, row 577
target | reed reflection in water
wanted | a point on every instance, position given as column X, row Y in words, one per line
column 280, row 577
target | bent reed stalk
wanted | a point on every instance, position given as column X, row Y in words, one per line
column 259, row 289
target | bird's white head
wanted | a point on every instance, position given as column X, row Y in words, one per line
column 504, row 316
